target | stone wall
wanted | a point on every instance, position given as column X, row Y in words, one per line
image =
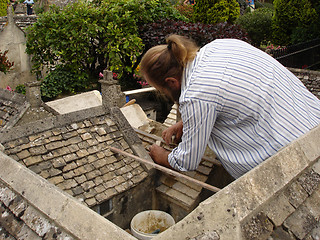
column 311, row 79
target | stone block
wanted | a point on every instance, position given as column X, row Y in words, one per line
column 309, row 181
column 296, row 194
column 180, row 198
column 185, row 190
column 257, row 227
column 301, row 222
column 32, row 160
column 279, row 209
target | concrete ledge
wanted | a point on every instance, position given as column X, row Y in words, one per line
column 59, row 207
column 246, row 201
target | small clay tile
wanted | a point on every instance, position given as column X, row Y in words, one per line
column 81, row 161
column 70, row 157
column 56, row 180
column 87, row 185
column 83, row 145
column 91, row 201
column 73, row 148
column 80, row 179
column 110, row 193
column 60, row 152
column 54, row 145
column 54, row 171
column 79, row 171
column 32, row 160
column 69, row 167
column 73, row 140
column 68, row 135
column 69, row 175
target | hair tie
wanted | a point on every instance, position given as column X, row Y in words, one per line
column 169, row 46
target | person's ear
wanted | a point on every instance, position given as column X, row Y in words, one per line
column 172, row 82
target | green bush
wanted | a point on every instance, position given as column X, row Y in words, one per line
column 293, row 17
column 3, row 7
column 90, row 36
column 257, row 24
column 216, row 11
column 63, row 79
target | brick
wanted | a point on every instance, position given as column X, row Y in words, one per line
column 74, row 140
column 60, row 152
column 91, row 202
column 99, row 189
column 81, row 162
column 69, row 134
column 87, row 185
column 101, row 131
column 82, row 153
column 90, row 193
column 54, row 172
column 81, row 179
column 300, row 222
column 69, row 167
column 99, row 163
column 36, row 222
column 23, row 154
column 93, row 174
column 86, row 136
column 296, row 194
column 186, row 190
column 79, row 171
column 54, row 145
column 88, row 167
column 309, row 181
column 180, row 198
column 110, row 193
column 56, row 180
column 32, row 160
column 68, row 175
column 70, row 183
column 70, row 157
column 58, row 162
column 108, row 176
column 77, row 190
column 279, row 209
column 258, row 227
column 94, row 149
column 73, row 148
column 120, row 188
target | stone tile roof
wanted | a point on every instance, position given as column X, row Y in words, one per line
column 21, row 220
column 32, row 208
column 71, row 151
column 12, row 107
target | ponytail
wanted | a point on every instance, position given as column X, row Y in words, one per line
column 168, row 60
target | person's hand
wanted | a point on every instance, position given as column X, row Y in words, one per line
column 175, row 130
column 159, row 155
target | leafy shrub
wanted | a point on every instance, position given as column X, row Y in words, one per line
column 257, row 24
column 92, row 36
column 290, row 16
column 216, row 11
column 5, row 64
column 185, row 10
column 155, row 33
column 3, row 7
column 63, row 79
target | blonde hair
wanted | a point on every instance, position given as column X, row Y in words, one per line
column 168, row 60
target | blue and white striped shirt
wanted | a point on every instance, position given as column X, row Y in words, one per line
column 243, row 104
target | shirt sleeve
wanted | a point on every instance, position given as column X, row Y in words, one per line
column 198, row 120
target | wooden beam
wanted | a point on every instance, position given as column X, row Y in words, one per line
column 166, row 170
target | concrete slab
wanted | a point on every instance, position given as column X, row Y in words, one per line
column 77, row 102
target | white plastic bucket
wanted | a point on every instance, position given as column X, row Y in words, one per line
column 146, row 225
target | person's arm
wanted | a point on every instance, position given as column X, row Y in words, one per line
column 198, row 121
column 159, row 155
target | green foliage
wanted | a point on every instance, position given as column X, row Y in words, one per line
column 216, row 11
column 92, row 36
column 3, row 7
column 155, row 33
column 63, row 79
column 293, row 17
column 186, row 10
column 21, row 89
column 5, row 64
column 257, row 24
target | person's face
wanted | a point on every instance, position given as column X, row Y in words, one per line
column 172, row 89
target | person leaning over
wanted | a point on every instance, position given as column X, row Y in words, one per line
column 233, row 97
